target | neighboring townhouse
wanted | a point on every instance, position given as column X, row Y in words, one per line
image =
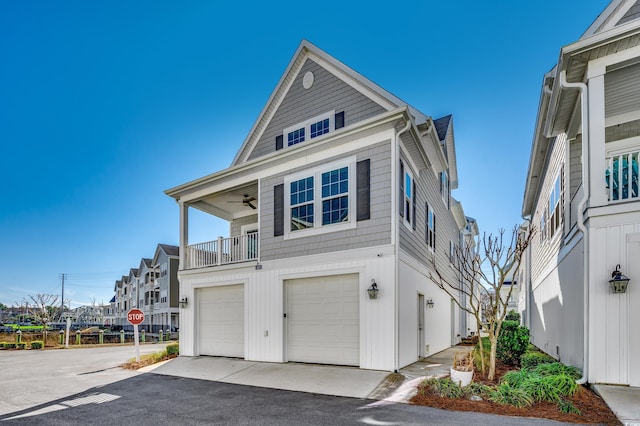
column 153, row 288
column 582, row 197
column 339, row 205
column 165, row 313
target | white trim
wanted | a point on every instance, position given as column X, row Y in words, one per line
column 408, row 223
column 316, row 172
column 621, row 118
column 622, row 146
column 601, row 65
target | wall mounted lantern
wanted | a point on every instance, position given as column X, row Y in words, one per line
column 430, row 303
column 373, row 290
column 183, row 302
column 618, row 281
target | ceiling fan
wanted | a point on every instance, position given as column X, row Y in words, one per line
column 246, row 200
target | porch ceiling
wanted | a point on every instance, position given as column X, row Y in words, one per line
column 228, row 205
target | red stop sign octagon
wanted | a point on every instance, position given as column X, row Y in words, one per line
column 135, row 316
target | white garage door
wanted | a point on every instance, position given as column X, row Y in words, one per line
column 323, row 320
column 221, row 321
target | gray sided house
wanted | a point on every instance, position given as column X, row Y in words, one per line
column 582, row 196
column 339, row 205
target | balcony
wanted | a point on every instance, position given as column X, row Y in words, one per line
column 223, row 251
column 622, row 176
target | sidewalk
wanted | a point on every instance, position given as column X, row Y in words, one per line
column 624, row 401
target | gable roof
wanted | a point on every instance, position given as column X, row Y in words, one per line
column 169, row 250
column 618, row 12
column 444, row 128
column 305, row 51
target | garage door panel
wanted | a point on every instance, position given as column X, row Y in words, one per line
column 323, row 320
column 221, row 321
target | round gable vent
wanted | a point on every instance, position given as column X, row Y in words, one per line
column 307, row 80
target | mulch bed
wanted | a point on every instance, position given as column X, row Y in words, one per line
column 593, row 408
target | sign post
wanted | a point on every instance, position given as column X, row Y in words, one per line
column 136, row 316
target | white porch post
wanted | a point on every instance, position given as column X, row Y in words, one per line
column 598, row 193
column 184, row 233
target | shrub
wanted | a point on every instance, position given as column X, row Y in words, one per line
column 477, row 389
column 567, row 407
column 533, row 359
column 173, row 349
column 541, row 389
column 9, row 345
column 512, row 316
column 507, row 395
column 556, row 369
column 486, row 346
column 37, row 344
column 21, row 345
column 515, row 379
column 443, row 387
column 512, row 342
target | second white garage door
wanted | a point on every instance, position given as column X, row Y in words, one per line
column 221, row 320
column 323, row 320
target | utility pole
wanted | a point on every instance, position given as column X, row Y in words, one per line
column 62, row 277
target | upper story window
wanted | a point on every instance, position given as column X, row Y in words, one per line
column 408, row 196
column 555, row 205
column 444, row 187
column 320, row 200
column 312, row 128
column 163, row 269
column 430, row 227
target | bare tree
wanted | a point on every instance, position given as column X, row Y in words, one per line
column 482, row 274
column 42, row 310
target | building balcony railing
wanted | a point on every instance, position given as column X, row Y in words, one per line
column 223, row 251
column 622, row 176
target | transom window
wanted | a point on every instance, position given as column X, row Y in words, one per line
column 326, row 193
column 312, row 128
column 295, row 136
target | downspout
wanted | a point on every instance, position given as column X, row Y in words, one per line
column 584, row 97
column 396, row 242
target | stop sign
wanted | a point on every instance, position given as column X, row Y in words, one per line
column 135, row 316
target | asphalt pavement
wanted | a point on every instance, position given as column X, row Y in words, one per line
column 152, row 399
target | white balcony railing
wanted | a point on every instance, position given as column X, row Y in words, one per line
column 622, row 176
column 222, row 251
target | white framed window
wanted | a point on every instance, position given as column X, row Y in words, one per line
column 163, row 269
column 409, row 199
column 430, row 227
column 555, row 205
column 310, row 129
column 444, row 187
column 320, row 200
column 452, row 251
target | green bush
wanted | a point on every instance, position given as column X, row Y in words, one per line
column 9, row 345
column 477, row 389
column 557, row 369
column 567, row 407
column 533, row 359
column 173, row 349
column 512, row 342
column 541, row 389
column 507, row 395
column 516, row 378
column 443, row 387
column 512, row 316
column 37, row 344
column 21, row 345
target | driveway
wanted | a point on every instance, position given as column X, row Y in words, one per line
column 153, row 399
column 31, row 377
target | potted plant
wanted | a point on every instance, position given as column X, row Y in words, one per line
column 462, row 370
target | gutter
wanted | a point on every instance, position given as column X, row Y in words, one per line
column 395, row 154
column 584, row 99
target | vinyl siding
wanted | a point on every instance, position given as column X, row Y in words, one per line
column 545, row 251
column 622, row 91
column 372, row 232
column 626, row 130
column 237, row 224
column 326, row 94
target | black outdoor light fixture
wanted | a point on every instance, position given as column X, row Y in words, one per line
column 618, row 281
column 183, row 302
column 373, row 290
column 430, row 303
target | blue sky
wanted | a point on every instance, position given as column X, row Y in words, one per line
column 104, row 105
